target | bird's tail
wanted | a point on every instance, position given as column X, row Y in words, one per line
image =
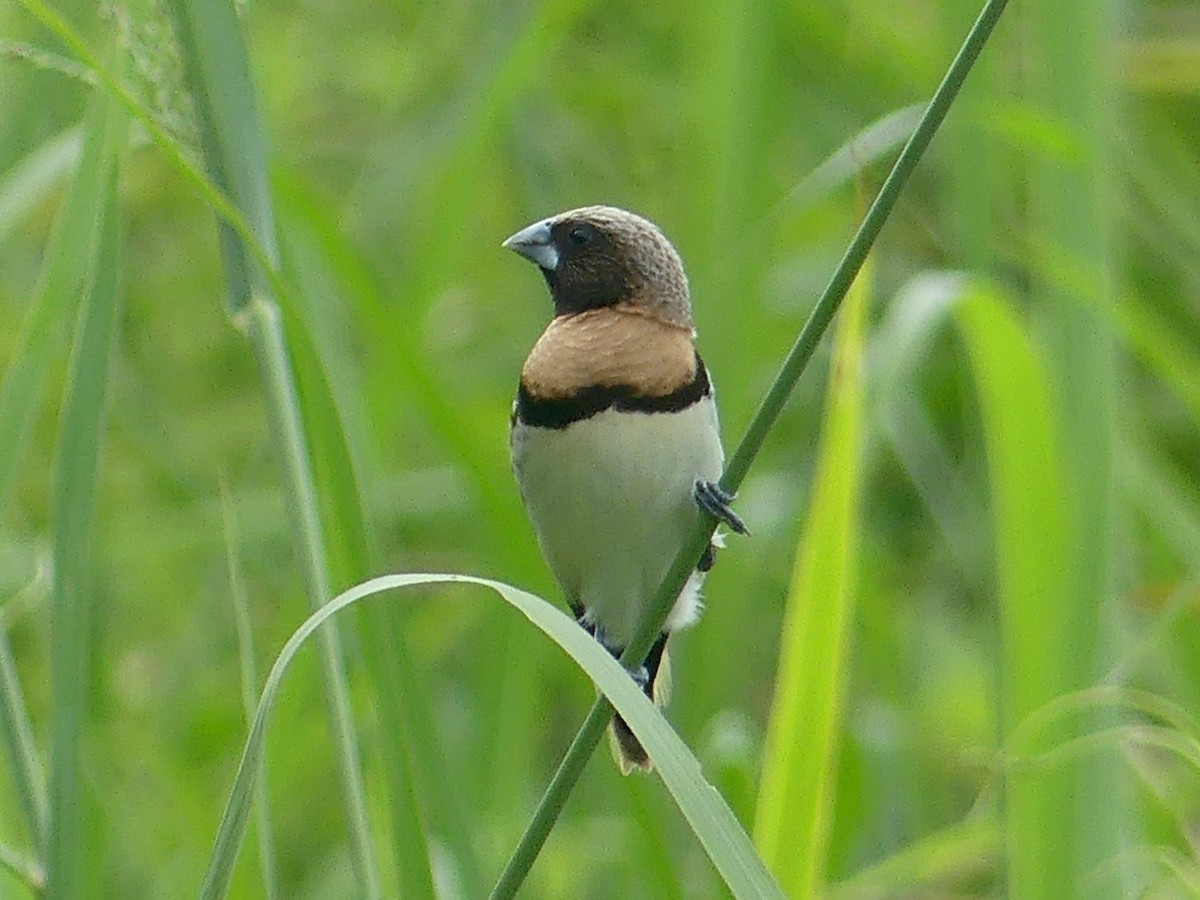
column 627, row 750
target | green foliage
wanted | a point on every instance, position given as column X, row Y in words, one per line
column 70, row 844
column 795, row 807
column 1046, row 442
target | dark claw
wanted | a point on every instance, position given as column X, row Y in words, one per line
column 713, row 500
column 640, row 676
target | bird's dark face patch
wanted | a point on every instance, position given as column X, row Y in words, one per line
column 597, row 257
column 593, row 268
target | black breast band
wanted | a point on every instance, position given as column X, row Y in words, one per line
column 559, row 412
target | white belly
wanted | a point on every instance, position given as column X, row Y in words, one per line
column 610, row 499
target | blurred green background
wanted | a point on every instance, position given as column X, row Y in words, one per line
column 406, row 140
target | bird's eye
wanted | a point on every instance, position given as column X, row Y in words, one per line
column 580, row 235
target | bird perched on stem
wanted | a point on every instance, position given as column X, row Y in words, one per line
column 615, row 440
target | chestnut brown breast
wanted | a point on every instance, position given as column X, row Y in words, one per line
column 619, row 345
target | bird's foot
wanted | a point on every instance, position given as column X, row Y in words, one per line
column 714, row 500
column 640, row 676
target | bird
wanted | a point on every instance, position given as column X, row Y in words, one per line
column 614, row 434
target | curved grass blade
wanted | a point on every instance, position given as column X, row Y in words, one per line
column 1026, row 471
column 714, row 824
column 864, row 148
column 412, row 762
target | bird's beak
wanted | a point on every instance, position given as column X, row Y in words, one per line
column 535, row 244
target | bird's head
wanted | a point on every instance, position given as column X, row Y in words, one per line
column 601, row 256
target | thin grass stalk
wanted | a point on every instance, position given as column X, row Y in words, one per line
column 249, row 673
column 17, row 730
column 550, row 806
column 217, row 69
column 262, row 324
column 70, row 849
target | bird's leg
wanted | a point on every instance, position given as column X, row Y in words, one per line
column 581, row 620
column 714, row 500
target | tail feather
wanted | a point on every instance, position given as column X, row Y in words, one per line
column 627, row 750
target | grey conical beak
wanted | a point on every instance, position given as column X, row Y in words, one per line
column 536, row 244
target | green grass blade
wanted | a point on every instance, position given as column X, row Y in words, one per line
column 249, row 673
column 70, row 853
column 398, row 694
column 714, row 824
column 43, row 336
column 1162, row 349
column 266, row 334
column 46, row 326
column 1069, row 69
column 28, row 182
column 218, row 71
column 930, row 863
column 868, row 146
column 17, row 732
column 1025, row 471
column 798, row 786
